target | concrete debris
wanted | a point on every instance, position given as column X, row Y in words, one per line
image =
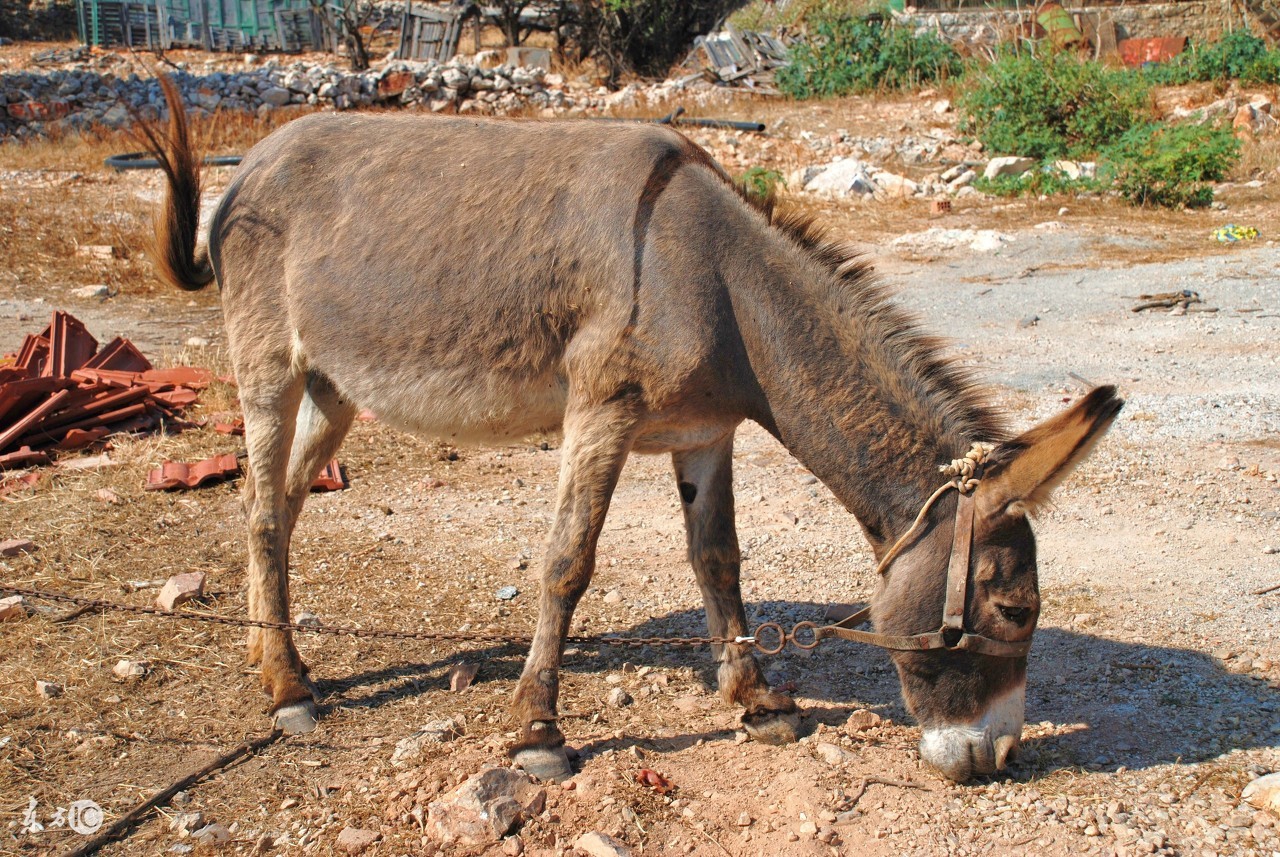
column 409, row 750
column 484, row 808
column 128, row 670
column 60, row 391
column 180, row 589
column 599, row 844
column 13, row 608
column 355, row 840
column 48, row 689
column 14, row 547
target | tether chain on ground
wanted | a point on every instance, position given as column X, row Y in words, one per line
column 375, row 633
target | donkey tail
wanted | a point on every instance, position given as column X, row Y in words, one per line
column 176, row 259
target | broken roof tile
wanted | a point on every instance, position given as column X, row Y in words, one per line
column 186, row 376
column 177, row 474
column 119, row 355
column 70, row 345
column 329, row 478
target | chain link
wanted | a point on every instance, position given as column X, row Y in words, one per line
column 368, row 633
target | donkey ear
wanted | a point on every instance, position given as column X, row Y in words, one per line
column 1023, row 472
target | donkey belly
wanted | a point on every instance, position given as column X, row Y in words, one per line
column 456, row 404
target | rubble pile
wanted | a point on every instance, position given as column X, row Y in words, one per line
column 62, row 392
column 82, row 94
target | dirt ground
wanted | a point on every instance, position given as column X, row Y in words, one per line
column 1154, row 689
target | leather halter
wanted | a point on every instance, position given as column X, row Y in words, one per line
column 952, row 636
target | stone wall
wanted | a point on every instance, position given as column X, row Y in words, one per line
column 1198, row 20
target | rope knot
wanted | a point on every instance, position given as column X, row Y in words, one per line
column 963, row 470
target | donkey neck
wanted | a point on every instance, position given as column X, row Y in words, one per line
column 851, row 388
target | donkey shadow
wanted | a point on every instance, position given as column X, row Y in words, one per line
column 1103, row 704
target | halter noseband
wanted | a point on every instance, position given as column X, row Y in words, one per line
column 966, row 474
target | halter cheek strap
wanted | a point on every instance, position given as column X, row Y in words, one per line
column 966, row 475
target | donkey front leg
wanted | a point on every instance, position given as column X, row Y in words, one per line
column 705, row 480
column 596, row 443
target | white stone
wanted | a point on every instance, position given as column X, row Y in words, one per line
column 48, row 689
column 845, row 177
column 833, row 755
column 1007, row 166
column 100, row 291
column 409, row 749
column 1264, row 793
column 127, row 670
column 599, row 844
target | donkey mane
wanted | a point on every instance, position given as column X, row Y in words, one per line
column 853, row 292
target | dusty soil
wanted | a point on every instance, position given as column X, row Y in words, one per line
column 1154, row 680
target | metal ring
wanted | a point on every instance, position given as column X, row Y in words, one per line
column 812, row 629
column 767, row 627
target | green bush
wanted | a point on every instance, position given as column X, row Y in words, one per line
column 1050, row 106
column 761, row 182
column 846, row 55
column 1236, row 56
column 1168, row 165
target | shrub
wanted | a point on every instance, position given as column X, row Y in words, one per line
column 1236, row 56
column 846, row 55
column 645, row 36
column 1051, row 106
column 1168, row 165
column 761, row 182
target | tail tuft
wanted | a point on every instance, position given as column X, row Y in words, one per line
column 177, row 227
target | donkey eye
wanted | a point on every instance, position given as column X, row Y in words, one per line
column 1016, row 615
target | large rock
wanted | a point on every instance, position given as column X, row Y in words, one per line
column 484, row 808
column 846, row 177
column 1264, row 793
column 277, row 96
column 1008, row 166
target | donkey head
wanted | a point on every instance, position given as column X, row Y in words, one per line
column 971, row 705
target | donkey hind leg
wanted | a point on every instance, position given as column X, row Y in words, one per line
column 323, row 420
column 271, row 392
column 705, row 480
column 596, row 443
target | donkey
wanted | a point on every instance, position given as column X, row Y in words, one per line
column 484, row 280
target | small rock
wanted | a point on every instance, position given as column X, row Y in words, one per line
column 433, row 732
column 289, row 803
column 100, row 292
column 942, row 106
column 506, row 593
column 355, row 840
column 13, row 547
column 833, row 755
column 111, row 498
column 613, row 596
column 862, row 720
column 128, row 670
column 619, row 698
column 598, row 844
column 13, row 608
column 1264, row 793
column 180, row 589
column 197, row 342
column 745, row 820
column 212, row 834
column 185, row 822
column 461, row 676
column 513, row 846
column 307, row 620
column 277, row 96
column 808, row 828
column 48, row 689
column 1029, row 321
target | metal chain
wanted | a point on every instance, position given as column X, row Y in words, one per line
column 374, row 633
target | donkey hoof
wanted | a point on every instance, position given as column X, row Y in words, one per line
column 549, row 764
column 296, row 719
column 773, row 727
